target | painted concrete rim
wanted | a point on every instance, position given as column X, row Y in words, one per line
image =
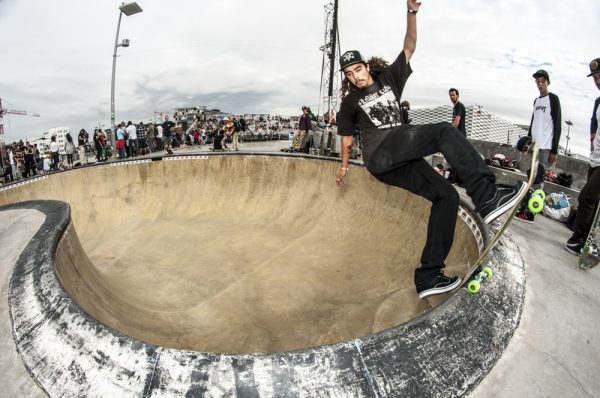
column 444, row 352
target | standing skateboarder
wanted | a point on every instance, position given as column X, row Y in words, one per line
column 394, row 153
column 590, row 193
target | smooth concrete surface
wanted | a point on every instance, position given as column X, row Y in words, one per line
column 555, row 352
column 16, row 229
column 69, row 353
column 241, row 254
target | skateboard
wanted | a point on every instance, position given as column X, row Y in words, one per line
column 590, row 254
column 480, row 273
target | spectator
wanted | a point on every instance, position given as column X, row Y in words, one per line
column 30, row 166
column 545, row 126
column 229, row 131
column 97, row 145
column 458, row 111
column 38, row 158
column 141, row 139
column 54, row 152
column 104, row 143
column 7, row 175
column 82, row 138
column 590, row 193
column 219, row 138
column 160, row 143
column 304, row 126
column 317, row 136
column 19, row 154
column 151, row 135
column 11, row 161
column 121, row 141
column 404, row 108
column 132, row 141
column 47, row 163
column 544, row 129
column 69, row 150
column 167, row 133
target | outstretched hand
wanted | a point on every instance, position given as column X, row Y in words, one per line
column 413, row 5
column 339, row 177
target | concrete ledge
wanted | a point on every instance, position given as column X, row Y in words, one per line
column 444, row 352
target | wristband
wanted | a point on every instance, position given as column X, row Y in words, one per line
column 344, row 168
column 412, row 11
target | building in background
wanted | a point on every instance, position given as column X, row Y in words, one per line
column 479, row 123
column 60, row 133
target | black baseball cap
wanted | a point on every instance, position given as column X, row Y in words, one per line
column 542, row 73
column 594, row 67
column 350, row 58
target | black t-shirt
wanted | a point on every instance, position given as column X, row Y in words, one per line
column 459, row 110
column 375, row 109
column 167, row 126
column 81, row 138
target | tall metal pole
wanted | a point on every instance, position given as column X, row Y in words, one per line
column 2, row 144
column 112, row 85
column 569, row 123
column 333, row 54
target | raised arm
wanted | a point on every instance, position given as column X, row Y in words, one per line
column 410, row 40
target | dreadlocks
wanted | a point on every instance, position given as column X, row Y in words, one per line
column 376, row 66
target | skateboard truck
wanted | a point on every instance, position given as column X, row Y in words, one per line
column 484, row 275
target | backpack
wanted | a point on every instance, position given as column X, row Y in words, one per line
column 523, row 144
column 565, row 179
column 240, row 125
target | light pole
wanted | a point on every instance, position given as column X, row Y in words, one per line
column 127, row 9
column 569, row 123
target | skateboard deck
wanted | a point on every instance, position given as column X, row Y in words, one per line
column 590, row 254
column 478, row 273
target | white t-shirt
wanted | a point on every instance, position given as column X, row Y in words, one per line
column 595, row 155
column 159, row 130
column 53, row 146
column 132, row 131
column 542, row 128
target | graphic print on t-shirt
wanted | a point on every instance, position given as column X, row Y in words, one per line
column 382, row 108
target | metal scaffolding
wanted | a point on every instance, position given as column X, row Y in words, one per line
column 329, row 93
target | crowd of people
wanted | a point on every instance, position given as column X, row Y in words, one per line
column 131, row 140
column 25, row 160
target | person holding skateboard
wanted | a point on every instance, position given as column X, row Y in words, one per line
column 545, row 129
column 590, row 193
column 393, row 153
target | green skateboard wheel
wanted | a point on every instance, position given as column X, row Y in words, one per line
column 540, row 192
column 535, row 204
column 488, row 273
column 473, row 286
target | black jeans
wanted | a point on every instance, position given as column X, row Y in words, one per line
column 588, row 199
column 399, row 161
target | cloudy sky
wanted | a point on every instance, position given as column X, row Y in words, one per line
column 263, row 56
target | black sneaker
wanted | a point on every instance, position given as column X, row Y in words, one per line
column 438, row 285
column 574, row 245
column 504, row 199
column 525, row 216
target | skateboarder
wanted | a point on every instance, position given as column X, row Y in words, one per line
column 394, row 153
column 590, row 193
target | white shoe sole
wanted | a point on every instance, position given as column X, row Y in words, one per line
column 505, row 207
column 567, row 248
column 440, row 290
